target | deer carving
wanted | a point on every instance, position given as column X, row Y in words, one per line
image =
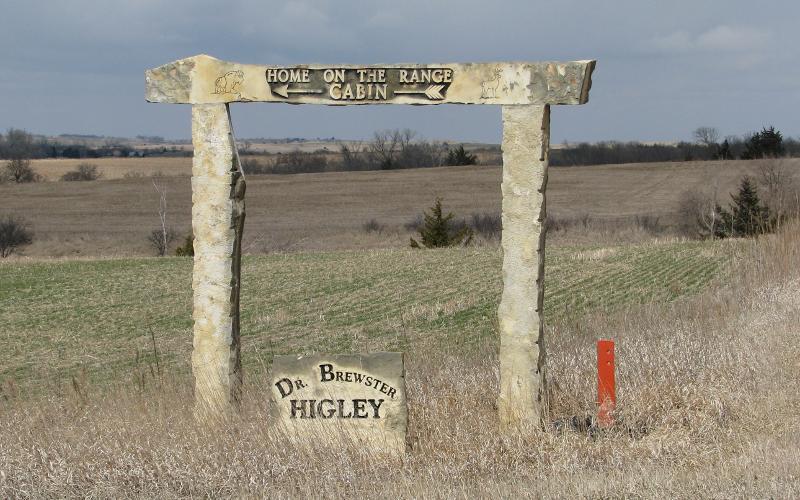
column 489, row 87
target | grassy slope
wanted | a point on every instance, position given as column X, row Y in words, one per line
column 58, row 317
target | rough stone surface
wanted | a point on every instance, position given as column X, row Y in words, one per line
column 526, row 131
column 174, row 82
column 204, row 79
column 217, row 223
column 331, row 400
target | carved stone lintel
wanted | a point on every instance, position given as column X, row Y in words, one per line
column 218, row 213
column 526, row 141
column 203, row 79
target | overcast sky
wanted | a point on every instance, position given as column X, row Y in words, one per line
column 664, row 67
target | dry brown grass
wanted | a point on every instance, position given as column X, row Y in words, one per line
column 116, row 168
column 707, row 408
column 327, row 211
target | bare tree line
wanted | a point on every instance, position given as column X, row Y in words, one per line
column 388, row 150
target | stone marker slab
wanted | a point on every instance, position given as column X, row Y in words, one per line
column 332, row 399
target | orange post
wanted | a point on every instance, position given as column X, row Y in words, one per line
column 606, row 387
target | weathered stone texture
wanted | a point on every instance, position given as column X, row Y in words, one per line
column 217, row 223
column 203, row 79
column 171, row 82
column 525, row 155
column 560, row 83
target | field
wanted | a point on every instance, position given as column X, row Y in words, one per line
column 96, row 391
column 59, row 318
column 327, row 211
column 707, row 350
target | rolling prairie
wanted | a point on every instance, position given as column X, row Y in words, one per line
column 96, row 391
column 327, row 211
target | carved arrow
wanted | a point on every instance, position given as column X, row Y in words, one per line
column 433, row 92
column 284, row 91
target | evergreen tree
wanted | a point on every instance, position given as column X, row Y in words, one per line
column 437, row 230
column 765, row 144
column 724, row 151
column 459, row 156
column 747, row 216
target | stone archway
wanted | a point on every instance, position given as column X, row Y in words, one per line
column 525, row 90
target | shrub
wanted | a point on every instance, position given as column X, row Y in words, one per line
column 458, row 156
column 187, row 249
column 438, row 230
column 160, row 240
column 20, row 171
column 373, row 226
column 489, row 226
column 14, row 233
column 698, row 214
column 394, row 149
column 353, row 156
column 298, row 162
column 251, row 166
column 83, row 172
column 415, row 223
column 420, row 154
column 648, row 223
column 781, row 193
column 555, row 223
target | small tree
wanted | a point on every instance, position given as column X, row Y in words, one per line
column 18, row 149
column 747, row 216
column 459, row 156
column 161, row 238
column 14, row 233
column 386, row 146
column 707, row 136
column 437, row 230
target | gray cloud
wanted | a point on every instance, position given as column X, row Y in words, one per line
column 663, row 67
column 717, row 39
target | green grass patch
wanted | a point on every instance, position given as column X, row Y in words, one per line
column 57, row 318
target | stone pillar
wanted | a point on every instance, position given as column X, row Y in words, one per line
column 526, row 142
column 217, row 222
